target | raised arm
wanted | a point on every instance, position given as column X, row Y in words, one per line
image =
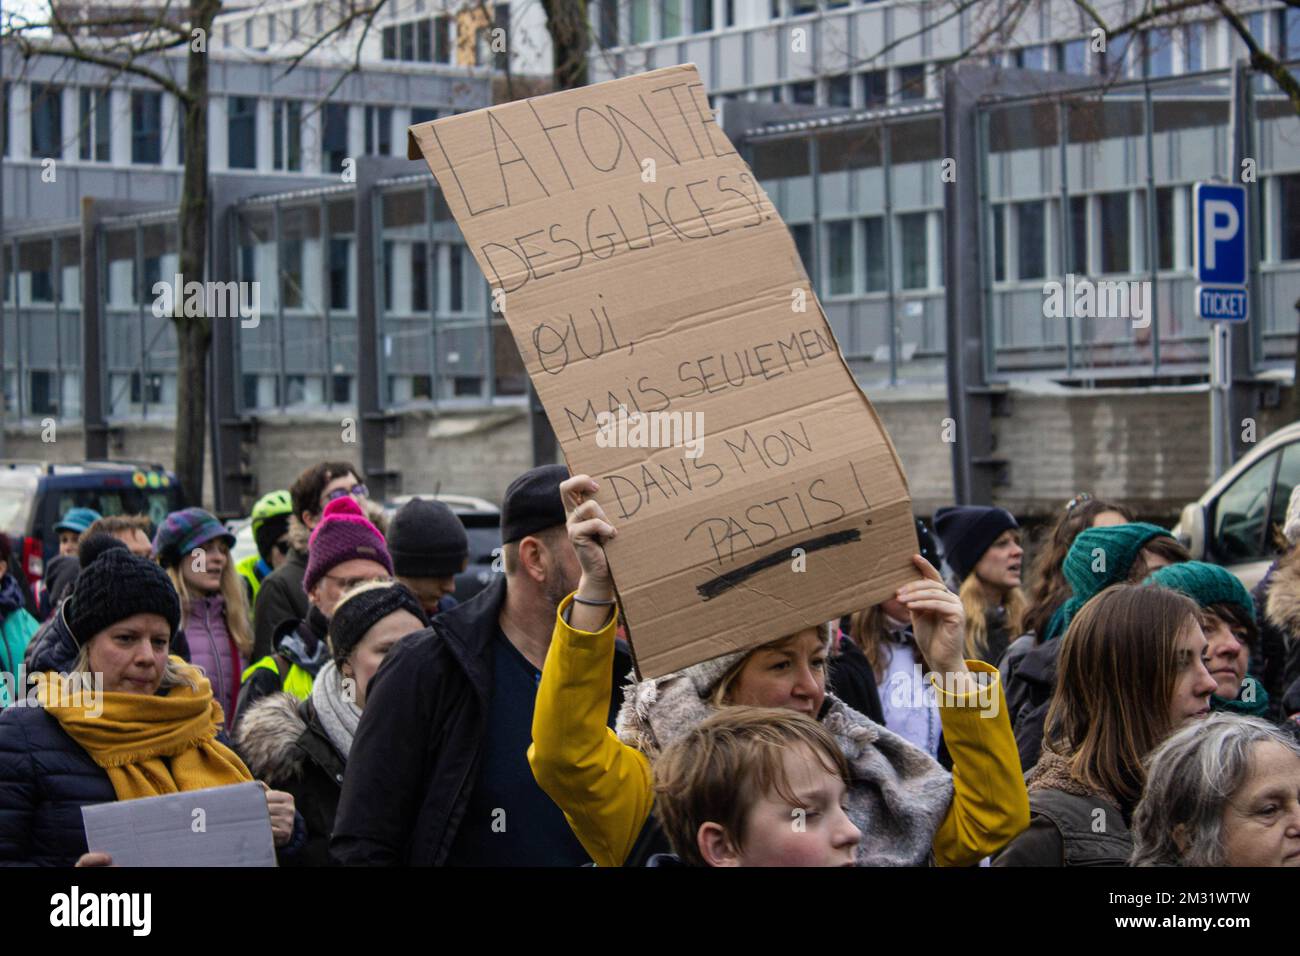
column 603, row 786
column 990, row 804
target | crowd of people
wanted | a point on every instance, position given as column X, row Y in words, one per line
column 1128, row 707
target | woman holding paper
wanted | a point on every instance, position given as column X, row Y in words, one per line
column 111, row 716
column 909, row 809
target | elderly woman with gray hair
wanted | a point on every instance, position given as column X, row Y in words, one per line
column 1221, row 792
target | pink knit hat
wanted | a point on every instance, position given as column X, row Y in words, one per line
column 344, row 534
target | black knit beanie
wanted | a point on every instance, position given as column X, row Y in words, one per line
column 532, row 502
column 360, row 611
column 114, row 586
column 427, row 540
column 93, row 545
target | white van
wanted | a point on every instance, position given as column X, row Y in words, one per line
column 1238, row 521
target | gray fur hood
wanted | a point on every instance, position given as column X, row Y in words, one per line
column 267, row 738
column 899, row 796
column 1282, row 608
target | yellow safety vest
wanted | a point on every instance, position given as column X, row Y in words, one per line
column 297, row 682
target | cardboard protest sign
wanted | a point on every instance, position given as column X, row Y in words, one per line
column 663, row 313
column 217, row 826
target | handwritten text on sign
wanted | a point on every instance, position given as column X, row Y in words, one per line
column 664, row 316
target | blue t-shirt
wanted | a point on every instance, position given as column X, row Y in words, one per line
column 510, row 821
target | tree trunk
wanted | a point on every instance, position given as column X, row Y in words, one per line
column 566, row 22
column 194, row 333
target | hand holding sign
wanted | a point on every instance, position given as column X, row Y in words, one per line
column 279, row 805
column 589, row 529
column 938, row 619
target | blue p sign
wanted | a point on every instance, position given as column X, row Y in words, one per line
column 1220, row 234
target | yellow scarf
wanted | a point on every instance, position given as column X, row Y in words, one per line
column 148, row 745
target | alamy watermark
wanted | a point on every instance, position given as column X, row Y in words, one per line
column 622, row 429
column 78, row 691
column 919, row 689
column 216, row 300
column 1081, row 298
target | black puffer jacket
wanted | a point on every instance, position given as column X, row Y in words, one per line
column 46, row 777
column 282, row 741
column 1029, row 692
column 417, row 751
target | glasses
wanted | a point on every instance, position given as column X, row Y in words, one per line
column 356, row 491
column 347, row 584
column 1077, row 500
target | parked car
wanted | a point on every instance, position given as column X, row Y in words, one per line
column 34, row 495
column 1238, row 521
column 482, row 521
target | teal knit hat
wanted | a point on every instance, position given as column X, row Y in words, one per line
column 1206, row 584
column 1098, row 558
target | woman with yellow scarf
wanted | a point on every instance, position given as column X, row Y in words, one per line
column 110, row 715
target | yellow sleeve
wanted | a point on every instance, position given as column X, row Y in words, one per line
column 990, row 805
column 603, row 786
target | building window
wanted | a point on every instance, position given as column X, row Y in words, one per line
column 406, row 37
column 1165, row 238
column 291, row 274
column 839, row 257
column 873, row 236
column 1114, row 226
column 47, row 121
column 1079, row 235
column 501, row 21
column 1194, row 47
column 146, row 128
column 999, row 242
column 389, row 43
column 241, row 132
column 379, row 126
column 248, row 33
column 839, row 91
column 293, row 24
column 287, row 135
column 1115, row 57
column 4, row 118
column 442, row 39
column 1072, row 57
column 1159, row 52
column 638, row 15
column 670, row 18
column 914, row 251
column 608, row 24
column 340, row 297
column 1033, row 58
column 911, row 82
column 701, row 16
column 1290, row 34
column 875, row 88
column 802, row 236
column 319, row 11
column 424, row 41
column 96, row 124
column 730, row 9
column 334, row 139
column 456, row 285
column 423, row 114
column 804, row 93
column 270, row 28
column 419, row 277
column 1288, row 194
column 1030, row 240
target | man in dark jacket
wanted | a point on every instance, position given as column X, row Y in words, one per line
column 282, row 597
column 438, row 773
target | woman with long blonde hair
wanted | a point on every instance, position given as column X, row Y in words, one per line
column 194, row 548
column 982, row 546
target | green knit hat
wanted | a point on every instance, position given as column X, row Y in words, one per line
column 1206, row 584
column 1089, row 573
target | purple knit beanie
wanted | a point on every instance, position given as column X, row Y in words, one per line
column 344, row 534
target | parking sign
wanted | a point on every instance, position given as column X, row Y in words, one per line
column 1219, row 236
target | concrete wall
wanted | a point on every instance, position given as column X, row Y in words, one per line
column 1148, row 448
